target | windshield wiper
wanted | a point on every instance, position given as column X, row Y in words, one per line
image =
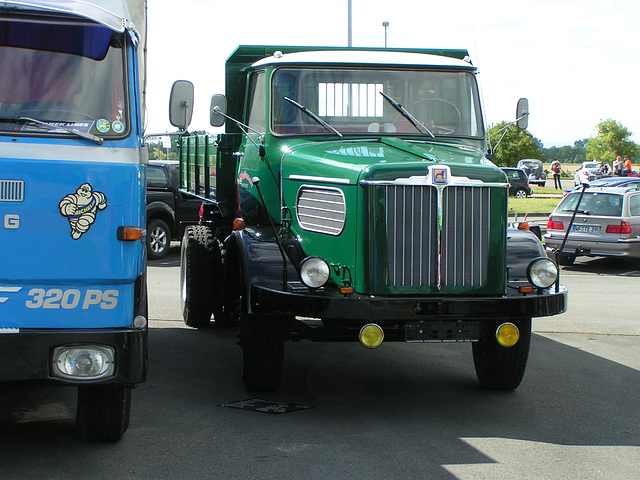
column 403, row 111
column 84, row 135
column 314, row 116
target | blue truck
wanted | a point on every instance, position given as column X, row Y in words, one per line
column 73, row 301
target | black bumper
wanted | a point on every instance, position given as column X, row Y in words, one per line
column 26, row 356
column 389, row 310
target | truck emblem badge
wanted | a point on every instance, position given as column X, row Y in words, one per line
column 81, row 208
column 440, row 176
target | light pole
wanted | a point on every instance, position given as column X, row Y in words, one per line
column 385, row 25
column 349, row 24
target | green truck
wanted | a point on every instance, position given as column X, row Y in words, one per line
column 351, row 198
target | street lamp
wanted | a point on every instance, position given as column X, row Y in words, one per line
column 385, row 25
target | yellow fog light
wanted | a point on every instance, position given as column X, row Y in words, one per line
column 371, row 335
column 507, row 334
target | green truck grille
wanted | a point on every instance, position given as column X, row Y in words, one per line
column 437, row 236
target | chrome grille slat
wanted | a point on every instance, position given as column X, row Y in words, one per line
column 411, row 218
column 11, row 190
column 412, row 224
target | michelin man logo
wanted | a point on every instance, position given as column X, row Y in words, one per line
column 81, row 208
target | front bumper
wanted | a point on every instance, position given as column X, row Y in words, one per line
column 26, row 356
column 396, row 312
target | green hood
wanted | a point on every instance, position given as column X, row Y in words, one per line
column 348, row 162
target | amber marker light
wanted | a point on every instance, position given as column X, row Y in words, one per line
column 130, row 234
column 507, row 334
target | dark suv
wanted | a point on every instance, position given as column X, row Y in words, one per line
column 518, row 182
column 169, row 211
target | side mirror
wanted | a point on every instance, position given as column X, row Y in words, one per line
column 181, row 104
column 522, row 114
column 218, row 110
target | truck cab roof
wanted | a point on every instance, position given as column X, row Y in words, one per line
column 113, row 14
column 354, row 56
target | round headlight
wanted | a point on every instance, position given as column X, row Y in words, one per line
column 542, row 272
column 314, row 272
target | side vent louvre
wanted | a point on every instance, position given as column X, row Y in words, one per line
column 11, row 190
column 321, row 209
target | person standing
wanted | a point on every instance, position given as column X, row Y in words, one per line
column 556, row 168
column 617, row 166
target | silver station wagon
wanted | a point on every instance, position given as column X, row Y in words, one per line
column 607, row 224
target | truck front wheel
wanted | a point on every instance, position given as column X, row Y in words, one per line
column 262, row 351
column 197, row 275
column 102, row 413
column 498, row 367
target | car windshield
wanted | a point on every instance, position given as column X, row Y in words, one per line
column 69, row 76
column 365, row 101
column 596, row 203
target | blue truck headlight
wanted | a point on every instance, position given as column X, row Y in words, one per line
column 83, row 362
column 542, row 272
column 314, row 272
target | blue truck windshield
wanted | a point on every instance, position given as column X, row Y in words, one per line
column 442, row 103
column 71, row 76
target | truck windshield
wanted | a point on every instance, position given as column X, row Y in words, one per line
column 67, row 75
column 352, row 101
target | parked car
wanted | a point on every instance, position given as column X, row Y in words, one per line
column 534, row 170
column 607, row 224
column 518, row 182
column 608, row 182
column 169, row 211
column 587, row 172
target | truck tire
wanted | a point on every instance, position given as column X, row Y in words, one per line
column 158, row 239
column 498, row 367
column 262, row 339
column 102, row 413
column 197, row 275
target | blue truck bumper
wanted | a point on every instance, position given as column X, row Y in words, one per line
column 26, row 356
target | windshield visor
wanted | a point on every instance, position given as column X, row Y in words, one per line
column 351, row 101
column 69, row 75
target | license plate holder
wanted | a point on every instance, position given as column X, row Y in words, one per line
column 441, row 332
column 586, row 229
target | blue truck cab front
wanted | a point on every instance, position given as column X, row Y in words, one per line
column 73, row 303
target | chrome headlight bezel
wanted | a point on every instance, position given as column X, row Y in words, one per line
column 83, row 362
column 542, row 272
column 314, row 272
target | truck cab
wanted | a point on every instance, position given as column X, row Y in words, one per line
column 73, row 303
column 369, row 211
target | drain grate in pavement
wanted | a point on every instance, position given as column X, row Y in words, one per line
column 266, row 406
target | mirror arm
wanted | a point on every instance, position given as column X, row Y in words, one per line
column 241, row 126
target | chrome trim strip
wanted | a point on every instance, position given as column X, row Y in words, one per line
column 308, row 178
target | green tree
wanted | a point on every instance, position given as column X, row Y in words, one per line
column 611, row 140
column 514, row 145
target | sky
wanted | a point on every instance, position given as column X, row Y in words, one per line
column 575, row 60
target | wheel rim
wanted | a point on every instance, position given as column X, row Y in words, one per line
column 158, row 240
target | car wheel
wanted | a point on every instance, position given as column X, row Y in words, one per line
column 498, row 367
column 521, row 193
column 102, row 413
column 158, row 239
column 197, row 275
column 262, row 339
